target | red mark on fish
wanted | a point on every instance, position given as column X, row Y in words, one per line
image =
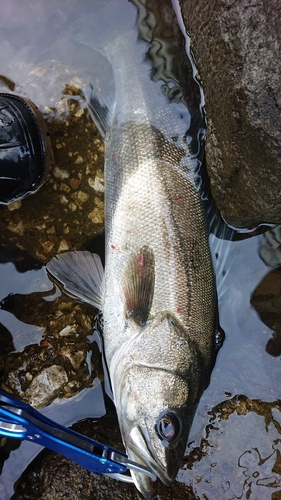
column 140, row 260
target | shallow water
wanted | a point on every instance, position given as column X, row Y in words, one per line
column 235, row 439
column 234, row 445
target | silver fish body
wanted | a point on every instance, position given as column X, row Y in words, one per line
column 159, row 347
column 159, row 296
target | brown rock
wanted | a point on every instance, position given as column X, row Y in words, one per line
column 52, row 476
column 266, row 299
column 237, row 52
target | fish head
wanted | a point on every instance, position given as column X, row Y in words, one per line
column 156, row 434
column 157, row 385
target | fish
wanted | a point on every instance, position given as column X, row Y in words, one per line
column 157, row 291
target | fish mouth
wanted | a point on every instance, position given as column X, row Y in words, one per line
column 140, row 450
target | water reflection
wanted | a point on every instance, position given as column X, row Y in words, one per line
column 249, row 430
column 234, row 449
column 25, row 282
column 20, row 258
column 248, row 368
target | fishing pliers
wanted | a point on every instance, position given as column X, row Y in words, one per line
column 19, row 420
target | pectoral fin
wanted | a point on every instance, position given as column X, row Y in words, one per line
column 138, row 284
column 81, row 274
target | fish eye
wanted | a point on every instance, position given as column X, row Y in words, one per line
column 168, row 427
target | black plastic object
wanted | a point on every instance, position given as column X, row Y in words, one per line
column 25, row 148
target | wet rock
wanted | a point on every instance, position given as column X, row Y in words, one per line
column 63, row 215
column 52, row 476
column 67, row 204
column 266, row 299
column 270, row 247
column 237, row 53
column 63, row 363
column 45, row 386
column 257, row 461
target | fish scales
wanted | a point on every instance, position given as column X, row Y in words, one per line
column 149, row 201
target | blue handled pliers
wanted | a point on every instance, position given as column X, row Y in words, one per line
column 21, row 421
